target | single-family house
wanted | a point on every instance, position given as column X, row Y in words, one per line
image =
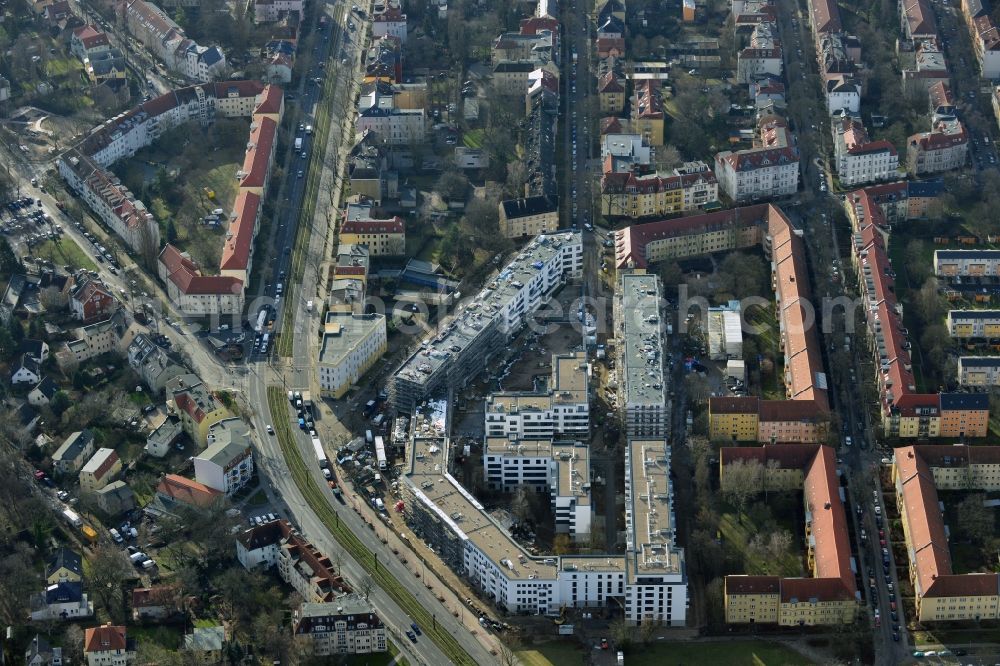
column 64, row 566
column 78, row 447
column 43, row 393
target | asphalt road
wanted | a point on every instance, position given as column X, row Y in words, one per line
column 846, row 400
column 299, row 373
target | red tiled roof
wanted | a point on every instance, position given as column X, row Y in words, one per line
column 258, row 155
column 270, row 100
column 239, row 239
column 826, row 16
column 752, row 585
column 187, row 491
column 734, row 405
column 188, row 279
column 106, row 465
column 104, row 638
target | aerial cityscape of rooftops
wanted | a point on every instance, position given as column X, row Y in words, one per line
column 543, row 333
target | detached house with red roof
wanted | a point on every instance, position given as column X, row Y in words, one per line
column 99, row 470
column 88, row 41
column 175, row 490
column 108, row 645
column 92, row 301
column 830, row 596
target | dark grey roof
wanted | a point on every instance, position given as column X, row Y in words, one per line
column 48, row 387
column 968, row 254
column 525, row 206
column 981, row 361
column 956, row 401
column 974, row 314
column 65, row 558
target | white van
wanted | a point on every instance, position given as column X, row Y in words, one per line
column 149, row 564
column 135, row 558
column 368, row 436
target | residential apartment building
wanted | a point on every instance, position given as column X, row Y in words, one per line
column 528, row 216
column 647, row 112
column 769, row 169
column 196, row 406
column 78, row 447
column 639, row 331
column 85, row 169
column 383, row 237
column 650, row 577
column 102, row 467
column 299, row 563
column 905, row 412
column 482, row 326
column 562, row 409
column 151, row 26
column 751, row 419
column 111, row 201
column 560, row 468
column 633, row 195
column 390, row 21
column 843, row 92
column 859, row 159
column 195, row 294
column 973, row 323
column 918, row 473
column 152, row 364
column 978, row 371
column 348, row 625
column 830, row 596
column 88, row 41
column 803, row 415
column 377, row 112
column 227, row 464
column 108, row 645
column 966, row 263
column 944, row 148
column 755, row 61
column 269, row 11
column 352, row 343
column 611, row 94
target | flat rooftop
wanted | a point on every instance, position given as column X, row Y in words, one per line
column 649, row 500
column 642, row 353
column 479, row 311
column 465, row 516
column 569, row 385
column 343, row 331
column 572, row 460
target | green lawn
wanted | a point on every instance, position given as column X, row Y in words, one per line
column 738, row 535
column 64, row 252
column 377, row 659
column 259, row 499
column 167, row 637
column 556, row 653
column 473, row 138
column 731, row 653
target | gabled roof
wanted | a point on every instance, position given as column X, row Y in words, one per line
column 64, row 558
column 187, row 491
column 47, row 387
column 104, row 638
column 185, row 275
column 239, row 238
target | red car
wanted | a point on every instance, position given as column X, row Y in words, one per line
column 892, row 605
column 39, row 475
column 604, row 644
column 881, row 542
